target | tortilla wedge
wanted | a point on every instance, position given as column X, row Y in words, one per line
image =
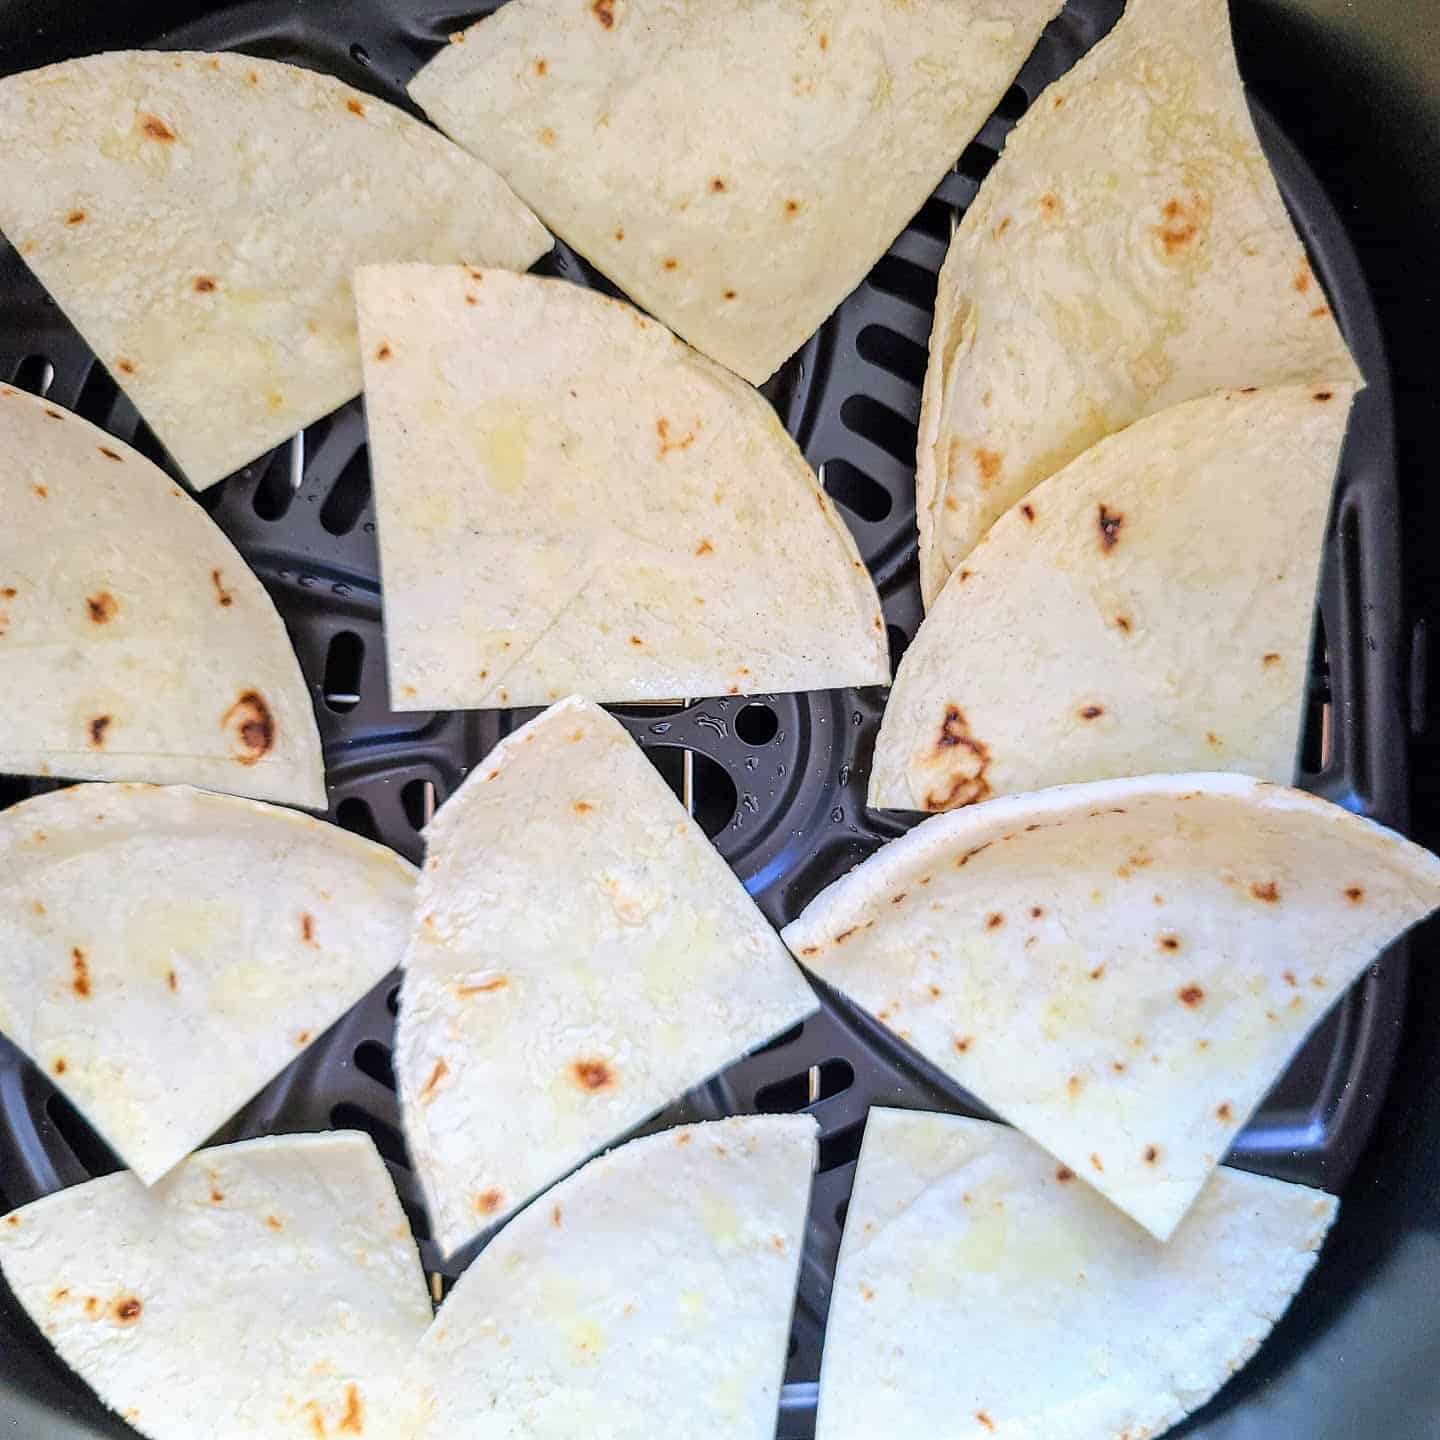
column 571, row 972
column 673, row 1255
column 571, row 500
column 269, row 1288
column 982, row 1291
column 736, row 168
column 165, row 952
column 197, row 217
column 1149, row 609
column 1122, row 969
column 1129, row 252
column 144, row 647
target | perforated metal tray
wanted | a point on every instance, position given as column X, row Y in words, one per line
column 778, row 782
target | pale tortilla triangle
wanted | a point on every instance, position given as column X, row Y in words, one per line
column 166, row 952
column 265, row 1289
column 1122, row 969
column 570, row 974
column 675, row 1255
column 1129, row 252
column 144, row 647
column 736, row 169
column 1148, row 609
column 573, row 501
column 198, row 216
column 983, row 1292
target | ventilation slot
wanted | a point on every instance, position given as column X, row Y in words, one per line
column 789, row 1037
column 809, row 1087
column 344, row 661
column 1318, row 745
column 904, row 280
column 349, row 495
column 903, row 358
column 851, row 487
column 881, row 425
column 418, row 799
column 386, row 1137
column 274, row 493
column 977, row 161
column 935, row 219
column 373, row 1059
column 1013, row 104
column 757, row 725
column 357, row 817
column 90, row 1150
column 712, row 795
column 899, row 643
column 35, row 374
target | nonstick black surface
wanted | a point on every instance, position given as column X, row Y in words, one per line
column 778, row 782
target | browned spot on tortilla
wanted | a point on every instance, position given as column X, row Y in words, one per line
column 1092, row 712
column 671, row 263
column 1320, row 312
column 1192, row 995
column 440, row 1071
column 1181, row 226
column 498, row 982
column 547, row 137
column 994, row 920
column 383, row 350
column 971, row 853
column 354, row 106
column 824, row 41
column 172, row 980
column 203, row 284
column 1152, row 1154
column 1123, row 622
column 1002, row 227
column 541, row 66
column 604, row 12
column 307, row 927
column 985, row 1420
column 1049, row 205
column 1097, row 1162
column 125, row 1309
column 98, row 726
column 1302, row 278
column 1028, row 511
column 1270, row 659
column 59, row 1066
column 110, row 454
column 844, row 935
column 989, row 464
column 583, row 807
column 619, row 234
column 810, row 950
column 1318, row 981
column 487, row 1202
column 250, row 722
column 718, row 186
column 155, row 128
column 593, row 1074
column 964, row 1043
column 317, row 1419
column 92, row 1305
column 683, row 1137
column 1074, row 1085
column 222, row 596
column 1064, row 1174
column 126, row 367
column 352, row 1422
column 1169, row 942
column 13, row 1220
column 303, row 1038
column 965, row 788
column 1323, row 395
column 253, row 78
column 1269, row 892
column 1058, row 101
column 1119, row 1066
column 274, row 1222
column 42, row 492
column 1355, row 894
column 102, row 608
column 1097, row 972
column 1224, row 1112
column 1109, row 523
column 38, row 906
column 792, row 207
column 75, row 217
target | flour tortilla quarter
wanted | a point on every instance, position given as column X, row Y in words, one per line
column 672, row 1259
column 572, row 500
column 165, row 952
column 268, row 1290
column 140, row 642
column 582, row 956
column 197, row 217
column 981, row 1293
column 1129, row 252
column 1147, row 609
column 1121, row 969
column 735, row 167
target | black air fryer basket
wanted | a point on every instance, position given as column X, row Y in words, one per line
column 1347, row 100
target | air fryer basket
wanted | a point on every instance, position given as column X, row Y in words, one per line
column 778, row 781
